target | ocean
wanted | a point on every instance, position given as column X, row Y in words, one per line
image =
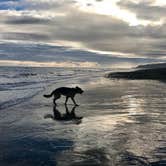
column 119, row 122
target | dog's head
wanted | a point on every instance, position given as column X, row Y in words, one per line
column 79, row 90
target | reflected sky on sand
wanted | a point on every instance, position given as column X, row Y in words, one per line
column 124, row 125
column 118, row 122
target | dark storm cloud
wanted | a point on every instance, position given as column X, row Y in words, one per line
column 144, row 9
column 26, row 20
column 25, row 36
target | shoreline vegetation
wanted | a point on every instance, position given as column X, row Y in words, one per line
column 149, row 71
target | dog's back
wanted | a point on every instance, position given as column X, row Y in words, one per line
column 66, row 91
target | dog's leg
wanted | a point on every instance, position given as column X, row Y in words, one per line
column 74, row 101
column 56, row 97
column 66, row 100
column 67, row 110
column 54, row 101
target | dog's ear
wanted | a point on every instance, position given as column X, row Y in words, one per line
column 77, row 87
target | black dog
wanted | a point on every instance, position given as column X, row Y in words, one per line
column 65, row 91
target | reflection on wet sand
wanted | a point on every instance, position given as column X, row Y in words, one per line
column 67, row 116
column 123, row 126
column 102, row 157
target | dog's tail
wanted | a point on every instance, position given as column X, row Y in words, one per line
column 48, row 96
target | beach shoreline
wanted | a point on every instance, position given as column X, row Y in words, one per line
column 116, row 115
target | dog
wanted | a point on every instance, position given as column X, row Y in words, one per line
column 65, row 91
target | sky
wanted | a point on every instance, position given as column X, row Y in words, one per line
column 82, row 33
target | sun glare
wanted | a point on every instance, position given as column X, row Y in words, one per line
column 111, row 8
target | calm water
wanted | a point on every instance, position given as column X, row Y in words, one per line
column 118, row 122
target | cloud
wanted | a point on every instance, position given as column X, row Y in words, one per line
column 41, row 53
column 145, row 10
column 26, row 20
column 92, row 31
column 64, row 22
column 106, row 33
column 25, row 36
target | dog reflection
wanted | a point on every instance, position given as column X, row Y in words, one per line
column 67, row 116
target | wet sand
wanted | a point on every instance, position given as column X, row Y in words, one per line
column 122, row 123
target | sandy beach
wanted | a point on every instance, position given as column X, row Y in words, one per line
column 122, row 124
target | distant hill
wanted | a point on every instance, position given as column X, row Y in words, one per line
column 150, row 71
column 149, row 66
